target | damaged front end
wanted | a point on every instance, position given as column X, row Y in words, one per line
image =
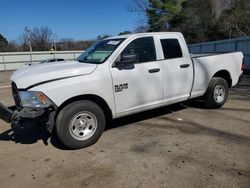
column 29, row 105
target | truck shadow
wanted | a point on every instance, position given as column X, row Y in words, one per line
column 144, row 115
column 129, row 120
column 27, row 133
column 30, row 132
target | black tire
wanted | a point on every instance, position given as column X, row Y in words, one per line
column 65, row 124
column 210, row 99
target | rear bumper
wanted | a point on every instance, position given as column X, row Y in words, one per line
column 240, row 79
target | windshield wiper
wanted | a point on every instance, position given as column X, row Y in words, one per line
column 88, row 61
column 80, row 60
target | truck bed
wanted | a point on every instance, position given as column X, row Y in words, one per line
column 206, row 65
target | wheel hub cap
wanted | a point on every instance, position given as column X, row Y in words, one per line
column 83, row 125
column 219, row 93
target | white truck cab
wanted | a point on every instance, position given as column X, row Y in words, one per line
column 116, row 77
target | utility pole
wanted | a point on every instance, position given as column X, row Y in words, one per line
column 55, row 44
column 27, row 30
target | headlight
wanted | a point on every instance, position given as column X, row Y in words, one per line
column 34, row 99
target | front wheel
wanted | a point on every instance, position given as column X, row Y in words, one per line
column 80, row 124
column 217, row 92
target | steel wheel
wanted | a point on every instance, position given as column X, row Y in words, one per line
column 219, row 93
column 83, row 125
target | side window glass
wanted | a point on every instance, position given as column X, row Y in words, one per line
column 144, row 48
column 171, row 48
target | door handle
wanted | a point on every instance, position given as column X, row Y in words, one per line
column 153, row 70
column 184, row 66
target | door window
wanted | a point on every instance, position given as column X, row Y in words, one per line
column 171, row 48
column 144, row 48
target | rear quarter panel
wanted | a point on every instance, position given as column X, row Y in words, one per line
column 206, row 67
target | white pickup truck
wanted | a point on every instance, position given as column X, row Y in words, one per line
column 116, row 77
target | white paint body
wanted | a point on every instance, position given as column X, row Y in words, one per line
column 145, row 91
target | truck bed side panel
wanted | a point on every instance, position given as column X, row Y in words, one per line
column 206, row 66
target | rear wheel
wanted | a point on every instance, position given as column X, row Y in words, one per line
column 217, row 92
column 80, row 124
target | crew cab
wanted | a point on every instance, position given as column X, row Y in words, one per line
column 116, row 77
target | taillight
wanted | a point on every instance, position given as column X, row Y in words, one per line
column 242, row 65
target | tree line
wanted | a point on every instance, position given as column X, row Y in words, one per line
column 198, row 20
column 43, row 39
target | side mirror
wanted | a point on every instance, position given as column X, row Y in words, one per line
column 127, row 59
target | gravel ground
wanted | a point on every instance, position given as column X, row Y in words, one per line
column 183, row 145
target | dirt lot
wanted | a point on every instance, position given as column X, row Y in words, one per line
column 184, row 145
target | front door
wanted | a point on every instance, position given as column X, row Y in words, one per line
column 138, row 85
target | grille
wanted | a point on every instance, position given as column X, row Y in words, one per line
column 16, row 96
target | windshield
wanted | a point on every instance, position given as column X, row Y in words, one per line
column 100, row 51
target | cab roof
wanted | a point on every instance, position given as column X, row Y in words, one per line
column 145, row 34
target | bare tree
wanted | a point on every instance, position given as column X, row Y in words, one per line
column 3, row 43
column 13, row 46
column 71, row 44
column 41, row 38
column 66, row 44
column 139, row 6
column 141, row 28
column 235, row 20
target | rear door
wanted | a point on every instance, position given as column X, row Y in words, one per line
column 138, row 85
column 177, row 69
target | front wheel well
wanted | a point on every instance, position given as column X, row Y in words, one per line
column 94, row 98
column 225, row 75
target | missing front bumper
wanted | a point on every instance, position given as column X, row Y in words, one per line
column 10, row 115
column 16, row 116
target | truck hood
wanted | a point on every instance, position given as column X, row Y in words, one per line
column 40, row 73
